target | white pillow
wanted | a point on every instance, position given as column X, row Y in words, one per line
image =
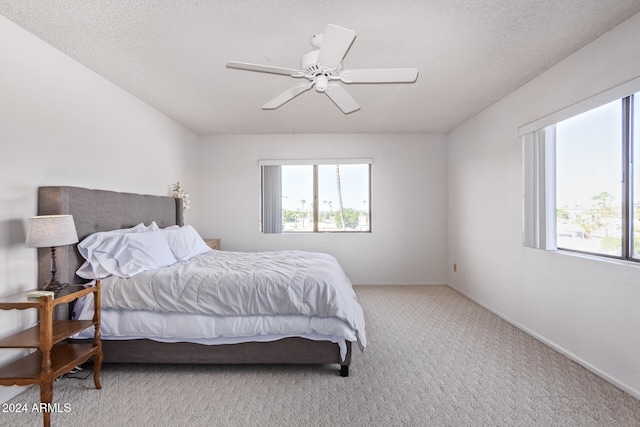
column 185, row 242
column 112, row 252
column 91, row 268
column 95, row 239
column 133, row 253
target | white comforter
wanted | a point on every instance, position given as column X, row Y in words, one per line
column 238, row 284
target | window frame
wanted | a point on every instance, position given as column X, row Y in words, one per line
column 539, row 166
column 316, row 209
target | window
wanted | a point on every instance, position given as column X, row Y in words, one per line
column 316, row 196
column 589, row 194
column 582, row 182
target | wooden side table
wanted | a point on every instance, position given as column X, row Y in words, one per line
column 53, row 356
column 213, row 243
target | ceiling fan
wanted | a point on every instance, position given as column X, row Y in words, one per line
column 322, row 68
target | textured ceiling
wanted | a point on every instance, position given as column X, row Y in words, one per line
column 172, row 54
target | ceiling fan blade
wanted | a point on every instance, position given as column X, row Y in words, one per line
column 380, row 75
column 287, row 95
column 263, row 68
column 335, row 44
column 341, row 98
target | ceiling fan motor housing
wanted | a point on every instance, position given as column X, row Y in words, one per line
column 314, row 71
column 309, row 59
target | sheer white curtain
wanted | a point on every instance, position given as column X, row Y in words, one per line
column 272, row 199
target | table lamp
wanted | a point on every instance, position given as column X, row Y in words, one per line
column 50, row 231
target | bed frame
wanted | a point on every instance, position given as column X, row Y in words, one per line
column 101, row 210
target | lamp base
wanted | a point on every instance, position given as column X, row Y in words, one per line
column 54, row 285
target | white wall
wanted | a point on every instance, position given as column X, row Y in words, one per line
column 408, row 242
column 61, row 124
column 588, row 309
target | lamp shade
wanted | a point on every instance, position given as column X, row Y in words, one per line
column 51, row 230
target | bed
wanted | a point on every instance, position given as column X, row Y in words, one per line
column 98, row 211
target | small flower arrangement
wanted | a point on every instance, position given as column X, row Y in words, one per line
column 180, row 193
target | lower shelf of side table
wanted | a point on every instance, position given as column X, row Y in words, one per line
column 64, row 357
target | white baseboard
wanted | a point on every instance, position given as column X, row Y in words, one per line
column 398, row 284
column 621, row 385
column 9, row 392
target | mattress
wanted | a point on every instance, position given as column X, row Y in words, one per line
column 211, row 330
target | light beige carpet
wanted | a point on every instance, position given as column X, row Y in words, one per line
column 435, row 358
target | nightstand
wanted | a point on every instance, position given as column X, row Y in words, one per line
column 213, row 243
column 53, row 356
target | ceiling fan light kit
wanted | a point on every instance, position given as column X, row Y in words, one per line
column 322, row 68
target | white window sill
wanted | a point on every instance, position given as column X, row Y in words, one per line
column 613, row 261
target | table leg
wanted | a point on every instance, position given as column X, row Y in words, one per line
column 46, row 397
column 97, row 364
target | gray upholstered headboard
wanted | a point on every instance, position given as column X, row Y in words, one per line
column 98, row 210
